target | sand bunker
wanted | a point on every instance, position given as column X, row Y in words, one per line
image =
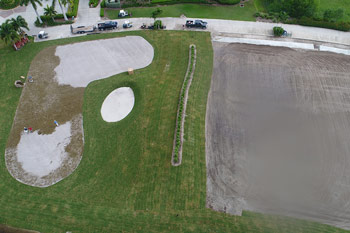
column 82, row 63
column 118, row 104
column 42, row 154
column 51, row 153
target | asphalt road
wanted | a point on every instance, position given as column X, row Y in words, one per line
column 277, row 133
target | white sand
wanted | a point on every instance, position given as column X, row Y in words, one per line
column 42, row 154
column 82, row 63
column 118, row 104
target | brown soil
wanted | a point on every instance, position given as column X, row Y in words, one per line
column 277, row 133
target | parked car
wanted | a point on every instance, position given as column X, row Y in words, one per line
column 43, row 35
column 127, row 24
column 196, row 24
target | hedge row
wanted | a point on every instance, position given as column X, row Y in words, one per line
column 181, row 109
column 47, row 21
column 305, row 21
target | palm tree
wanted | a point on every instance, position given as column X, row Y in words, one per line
column 33, row 2
column 50, row 11
column 64, row 3
column 19, row 23
column 7, row 33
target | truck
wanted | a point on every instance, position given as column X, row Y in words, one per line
column 108, row 25
column 82, row 29
column 196, row 24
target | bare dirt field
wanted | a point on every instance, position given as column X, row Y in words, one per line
column 278, row 133
column 50, row 153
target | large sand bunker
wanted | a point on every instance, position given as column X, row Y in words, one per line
column 82, row 63
column 278, row 133
column 51, row 153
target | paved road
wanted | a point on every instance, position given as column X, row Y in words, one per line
column 222, row 26
column 90, row 16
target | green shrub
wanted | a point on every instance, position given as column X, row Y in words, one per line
column 8, row 4
column 157, row 24
column 102, row 12
column 93, row 3
column 278, row 31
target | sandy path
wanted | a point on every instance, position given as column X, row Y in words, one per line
column 277, row 133
column 51, row 153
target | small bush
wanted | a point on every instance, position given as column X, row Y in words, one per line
column 93, row 3
column 8, row 4
column 157, row 24
column 278, row 31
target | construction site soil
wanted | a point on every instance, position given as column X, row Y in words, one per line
column 278, row 133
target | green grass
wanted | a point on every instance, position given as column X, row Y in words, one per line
column 194, row 11
column 334, row 5
column 125, row 181
column 259, row 5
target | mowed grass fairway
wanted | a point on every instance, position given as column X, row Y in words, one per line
column 235, row 12
column 125, row 181
column 334, row 5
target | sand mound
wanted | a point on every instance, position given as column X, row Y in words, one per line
column 118, row 104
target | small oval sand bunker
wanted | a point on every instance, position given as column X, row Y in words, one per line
column 118, row 104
